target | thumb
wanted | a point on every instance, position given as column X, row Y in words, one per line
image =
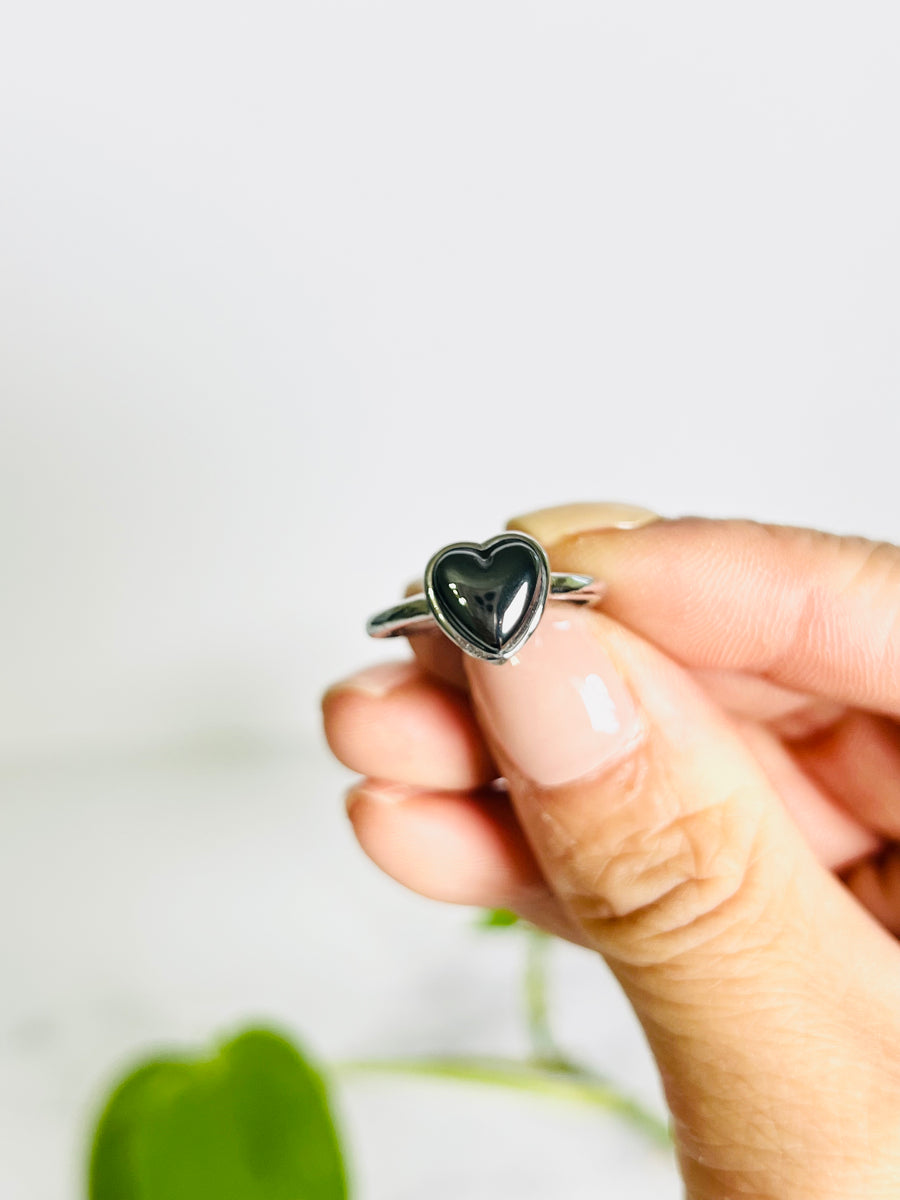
column 766, row 993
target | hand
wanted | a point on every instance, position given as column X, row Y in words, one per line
column 702, row 784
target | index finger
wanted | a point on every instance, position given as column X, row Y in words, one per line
column 802, row 608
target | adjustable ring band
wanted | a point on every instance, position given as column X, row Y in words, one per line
column 486, row 598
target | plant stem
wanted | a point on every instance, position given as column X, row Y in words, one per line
column 545, row 1051
column 571, row 1084
column 537, row 1010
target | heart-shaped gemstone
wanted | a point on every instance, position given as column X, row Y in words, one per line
column 489, row 598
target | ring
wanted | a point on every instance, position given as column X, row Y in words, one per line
column 487, row 598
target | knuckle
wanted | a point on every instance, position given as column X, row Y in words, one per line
column 653, row 880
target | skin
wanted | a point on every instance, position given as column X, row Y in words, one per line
column 737, row 867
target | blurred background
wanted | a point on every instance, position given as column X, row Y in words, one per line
column 291, row 295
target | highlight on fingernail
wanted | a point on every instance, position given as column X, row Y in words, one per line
column 559, row 709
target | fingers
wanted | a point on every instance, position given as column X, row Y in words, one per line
column 785, row 711
column 804, row 609
column 858, row 757
column 461, row 848
column 394, row 722
column 758, row 979
column 835, row 837
column 397, row 723
column 854, row 757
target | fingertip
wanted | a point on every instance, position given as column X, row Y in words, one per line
column 395, row 722
column 453, row 847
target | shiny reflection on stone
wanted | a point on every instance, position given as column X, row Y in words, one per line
column 512, row 618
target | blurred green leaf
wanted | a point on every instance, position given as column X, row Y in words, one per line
column 497, row 918
column 250, row 1123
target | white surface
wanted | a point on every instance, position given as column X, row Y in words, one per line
column 301, row 291
column 295, row 293
column 157, row 903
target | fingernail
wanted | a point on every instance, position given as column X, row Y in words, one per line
column 380, row 793
column 559, row 710
column 551, row 525
column 378, row 680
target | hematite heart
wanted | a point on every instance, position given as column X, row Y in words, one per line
column 489, row 598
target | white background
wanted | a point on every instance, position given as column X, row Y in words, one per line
column 290, row 295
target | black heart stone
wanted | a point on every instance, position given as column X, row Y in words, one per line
column 488, row 598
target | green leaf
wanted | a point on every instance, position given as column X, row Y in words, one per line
column 250, row 1123
column 497, row 918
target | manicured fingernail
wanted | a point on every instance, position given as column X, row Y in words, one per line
column 378, row 680
column 558, row 709
column 551, row 525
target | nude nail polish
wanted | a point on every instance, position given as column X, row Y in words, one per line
column 558, row 709
column 550, row 525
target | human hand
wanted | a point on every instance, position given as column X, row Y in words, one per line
column 702, row 784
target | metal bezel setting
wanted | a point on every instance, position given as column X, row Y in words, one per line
column 538, row 601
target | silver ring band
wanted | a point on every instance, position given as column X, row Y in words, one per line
column 487, row 598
